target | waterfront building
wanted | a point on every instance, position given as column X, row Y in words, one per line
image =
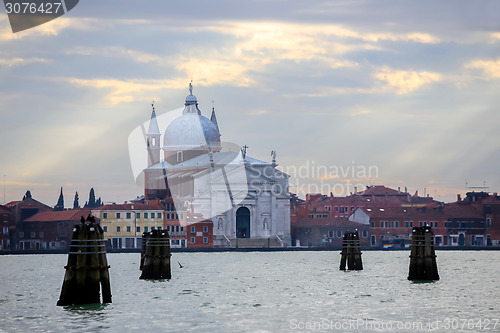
column 328, row 231
column 8, row 227
column 48, row 230
column 176, row 230
column 454, row 224
column 243, row 197
column 199, row 231
column 123, row 224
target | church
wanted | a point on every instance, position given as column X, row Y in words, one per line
column 246, row 199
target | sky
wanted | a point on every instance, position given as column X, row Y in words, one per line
column 348, row 93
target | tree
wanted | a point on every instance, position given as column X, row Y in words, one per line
column 92, row 202
column 60, row 202
column 76, row 204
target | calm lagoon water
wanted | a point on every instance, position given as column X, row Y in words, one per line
column 260, row 292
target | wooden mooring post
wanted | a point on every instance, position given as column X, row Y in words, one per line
column 423, row 265
column 87, row 268
column 155, row 259
column 351, row 252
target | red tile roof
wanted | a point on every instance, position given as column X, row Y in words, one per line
column 64, row 215
column 380, row 190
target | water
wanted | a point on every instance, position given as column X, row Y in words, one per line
column 260, row 292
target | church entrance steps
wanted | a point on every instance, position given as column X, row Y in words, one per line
column 257, row 243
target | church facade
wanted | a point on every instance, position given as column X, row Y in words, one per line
column 245, row 198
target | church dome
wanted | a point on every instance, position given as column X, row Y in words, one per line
column 191, row 130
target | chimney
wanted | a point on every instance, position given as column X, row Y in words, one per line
column 459, row 198
column 399, row 190
column 406, row 190
column 355, row 189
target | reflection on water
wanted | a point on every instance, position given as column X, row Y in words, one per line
column 258, row 291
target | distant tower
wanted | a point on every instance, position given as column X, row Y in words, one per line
column 153, row 140
column 213, row 118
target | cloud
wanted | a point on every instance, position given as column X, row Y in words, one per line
column 25, row 184
column 207, row 72
column 297, row 33
column 495, row 35
column 119, row 52
column 125, row 91
column 490, row 68
column 361, row 112
column 258, row 112
column 11, row 62
column 52, row 28
column 405, row 81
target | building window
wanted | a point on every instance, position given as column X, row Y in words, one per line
column 205, row 228
column 145, row 215
column 488, row 223
column 5, row 230
column 21, row 234
column 158, row 215
column 168, row 216
column 176, row 216
column 192, row 240
column 182, row 216
column 182, row 228
column 336, row 208
column 330, row 234
column 205, row 240
column 352, row 208
column 138, row 229
column 33, row 234
column 105, row 228
column 339, row 233
column 153, row 228
column 365, row 233
column 177, row 228
column 381, row 224
column 117, row 229
column 104, row 215
column 372, row 224
column 129, row 215
column 137, row 215
column 129, row 229
column 179, row 156
column 192, row 229
column 41, row 234
column 146, row 229
column 118, row 215
column 168, row 228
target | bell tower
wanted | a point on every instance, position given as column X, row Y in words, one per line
column 153, row 140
